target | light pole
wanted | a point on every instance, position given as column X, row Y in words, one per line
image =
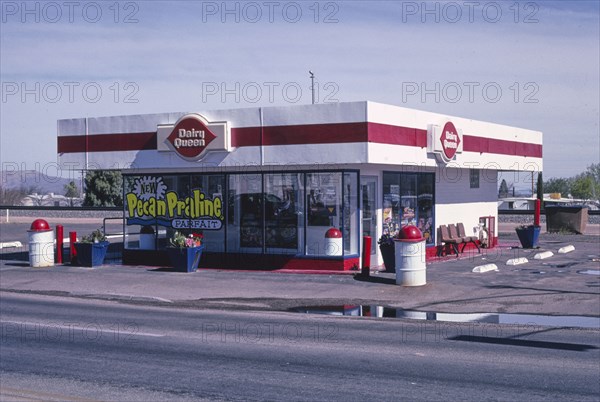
column 312, row 85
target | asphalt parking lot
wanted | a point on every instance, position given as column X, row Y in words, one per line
column 563, row 284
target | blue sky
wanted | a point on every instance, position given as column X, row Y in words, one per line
column 528, row 64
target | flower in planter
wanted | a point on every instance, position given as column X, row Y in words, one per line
column 179, row 240
column 523, row 227
column 97, row 236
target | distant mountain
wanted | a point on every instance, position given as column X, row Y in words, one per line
column 33, row 180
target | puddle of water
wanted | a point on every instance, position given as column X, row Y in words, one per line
column 561, row 265
column 493, row 318
column 590, row 272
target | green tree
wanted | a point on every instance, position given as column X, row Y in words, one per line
column 558, row 185
column 583, row 187
column 594, row 170
column 71, row 191
column 103, row 188
column 503, row 191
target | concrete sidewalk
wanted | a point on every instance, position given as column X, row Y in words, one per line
column 564, row 284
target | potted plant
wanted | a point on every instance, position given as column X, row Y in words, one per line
column 185, row 251
column 387, row 247
column 91, row 249
column 528, row 235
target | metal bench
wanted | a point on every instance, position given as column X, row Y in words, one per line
column 446, row 237
column 466, row 239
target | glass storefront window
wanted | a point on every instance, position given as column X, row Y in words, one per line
column 284, row 206
column 212, row 187
column 425, row 187
column 351, row 217
column 160, row 205
column 408, row 199
column 324, row 201
column 273, row 213
column 245, row 213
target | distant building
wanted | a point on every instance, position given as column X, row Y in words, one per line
column 50, row 200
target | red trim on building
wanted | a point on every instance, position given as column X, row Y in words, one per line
column 335, row 133
column 107, row 142
column 245, row 136
column 504, row 147
column 395, row 135
column 263, row 262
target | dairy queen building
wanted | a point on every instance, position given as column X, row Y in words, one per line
column 265, row 185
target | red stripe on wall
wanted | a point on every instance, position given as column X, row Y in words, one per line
column 70, row 144
column 107, row 142
column 386, row 134
column 335, row 133
column 245, row 136
column 503, row 147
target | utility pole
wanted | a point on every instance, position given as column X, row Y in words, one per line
column 312, row 85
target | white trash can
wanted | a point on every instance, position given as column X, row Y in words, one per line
column 333, row 242
column 410, row 257
column 41, row 244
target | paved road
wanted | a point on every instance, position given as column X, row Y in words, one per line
column 68, row 349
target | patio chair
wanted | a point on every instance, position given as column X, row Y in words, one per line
column 466, row 239
column 447, row 238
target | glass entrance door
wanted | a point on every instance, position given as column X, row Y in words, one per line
column 368, row 194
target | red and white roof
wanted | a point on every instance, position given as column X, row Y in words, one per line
column 341, row 133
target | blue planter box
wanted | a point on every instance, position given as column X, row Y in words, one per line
column 529, row 236
column 91, row 254
column 185, row 259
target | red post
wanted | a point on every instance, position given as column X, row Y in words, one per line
column 72, row 240
column 536, row 216
column 366, row 256
column 59, row 244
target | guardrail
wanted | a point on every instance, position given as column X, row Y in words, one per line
column 56, row 208
column 104, row 225
column 531, row 212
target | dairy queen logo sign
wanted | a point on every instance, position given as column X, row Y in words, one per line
column 445, row 142
column 450, row 140
column 192, row 136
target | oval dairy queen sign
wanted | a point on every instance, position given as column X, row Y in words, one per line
column 450, row 140
column 192, row 135
column 445, row 142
